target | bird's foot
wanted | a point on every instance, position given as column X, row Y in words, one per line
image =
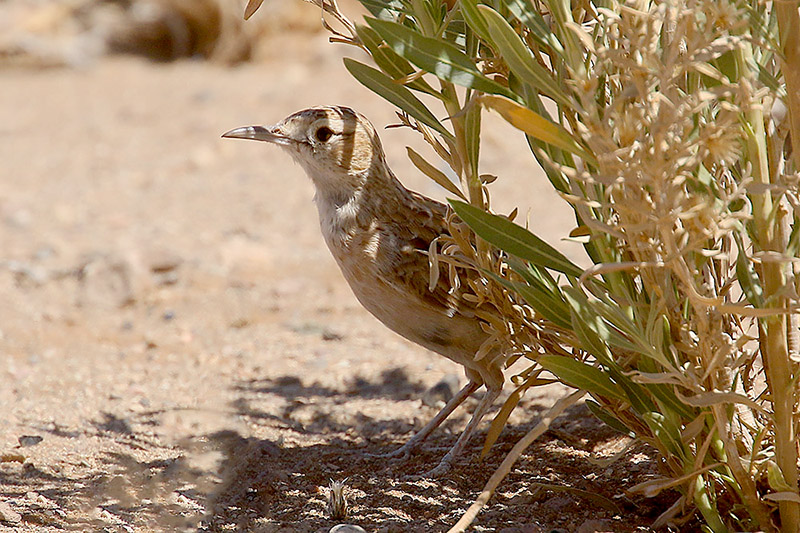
column 403, row 453
column 439, row 471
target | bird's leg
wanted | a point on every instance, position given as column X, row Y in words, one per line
column 483, row 407
column 406, row 449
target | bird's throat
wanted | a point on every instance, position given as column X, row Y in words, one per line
column 339, row 214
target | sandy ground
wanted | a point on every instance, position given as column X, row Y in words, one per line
column 179, row 351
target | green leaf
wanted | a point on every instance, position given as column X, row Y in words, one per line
column 524, row 11
column 535, row 125
column 776, row 479
column 794, row 238
column 547, row 304
column 472, row 134
column 665, row 396
column 520, row 60
column 385, row 9
column 561, row 17
column 746, row 274
column 392, row 64
column 545, row 298
column 593, row 331
column 637, row 394
column 433, row 173
column 595, row 336
column 514, row 239
column 607, row 418
column 665, row 431
column 395, row 93
column 703, row 496
column 582, row 376
column 541, row 275
column 548, row 156
column 770, row 81
column 473, row 18
column 436, row 56
column 632, row 337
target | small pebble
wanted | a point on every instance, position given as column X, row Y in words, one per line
column 25, row 271
column 7, row 514
column 29, row 440
column 44, row 252
column 162, row 261
column 595, row 526
column 528, row 528
column 393, row 527
column 329, row 335
column 240, row 323
column 166, row 278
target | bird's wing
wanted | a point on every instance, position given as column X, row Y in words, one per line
column 404, row 259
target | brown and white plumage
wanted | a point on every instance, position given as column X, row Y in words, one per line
column 380, row 234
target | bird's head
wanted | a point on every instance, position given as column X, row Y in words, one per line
column 336, row 146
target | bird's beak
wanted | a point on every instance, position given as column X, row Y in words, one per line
column 257, row 133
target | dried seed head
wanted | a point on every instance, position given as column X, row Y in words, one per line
column 337, row 503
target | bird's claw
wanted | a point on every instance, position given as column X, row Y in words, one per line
column 440, row 470
column 403, row 453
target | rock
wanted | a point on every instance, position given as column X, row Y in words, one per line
column 595, row 526
column 347, row 528
column 161, row 260
column 165, row 278
column 7, row 514
column 239, row 323
column 26, row 272
column 394, row 527
column 29, row 440
column 329, row 335
column 527, row 528
column 106, row 282
column 559, row 503
column 43, row 253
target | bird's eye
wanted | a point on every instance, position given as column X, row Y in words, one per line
column 323, row 134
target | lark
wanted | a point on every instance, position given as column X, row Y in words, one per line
column 380, row 234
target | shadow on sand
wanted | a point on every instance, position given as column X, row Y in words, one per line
column 224, row 481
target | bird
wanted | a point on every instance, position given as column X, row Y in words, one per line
column 380, row 235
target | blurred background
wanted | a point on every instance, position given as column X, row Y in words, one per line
column 70, row 33
column 166, row 300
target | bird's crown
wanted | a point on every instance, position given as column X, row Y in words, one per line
column 335, row 134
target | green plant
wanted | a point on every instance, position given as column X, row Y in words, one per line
column 667, row 126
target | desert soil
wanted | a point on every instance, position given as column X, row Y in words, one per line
column 180, row 352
